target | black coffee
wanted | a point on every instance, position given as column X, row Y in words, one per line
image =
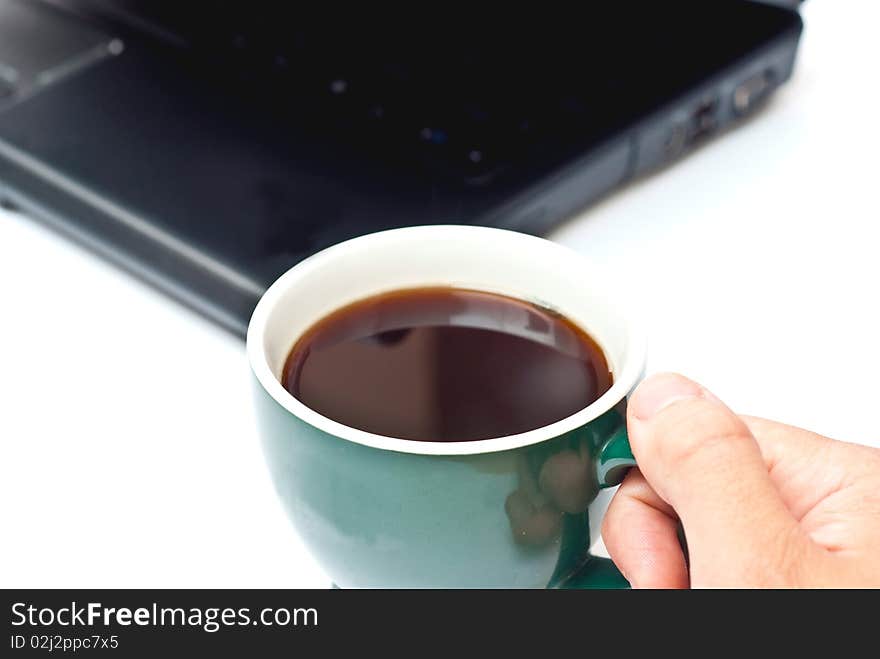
column 445, row 364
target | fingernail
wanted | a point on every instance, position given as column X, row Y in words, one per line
column 661, row 391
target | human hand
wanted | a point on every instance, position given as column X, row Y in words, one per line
column 762, row 504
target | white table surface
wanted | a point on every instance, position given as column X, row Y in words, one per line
column 128, row 453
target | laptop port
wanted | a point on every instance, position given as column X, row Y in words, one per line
column 704, row 118
column 752, row 91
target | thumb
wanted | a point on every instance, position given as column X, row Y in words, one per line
column 704, row 462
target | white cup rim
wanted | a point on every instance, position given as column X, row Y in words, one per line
column 624, row 381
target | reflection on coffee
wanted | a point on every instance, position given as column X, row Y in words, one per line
column 445, row 364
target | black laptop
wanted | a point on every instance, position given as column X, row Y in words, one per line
column 207, row 147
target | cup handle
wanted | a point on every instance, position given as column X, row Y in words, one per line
column 614, row 459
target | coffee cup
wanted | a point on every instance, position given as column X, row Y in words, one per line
column 520, row 511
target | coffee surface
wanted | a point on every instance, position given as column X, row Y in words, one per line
column 445, row 364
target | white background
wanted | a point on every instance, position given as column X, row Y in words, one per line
column 128, row 454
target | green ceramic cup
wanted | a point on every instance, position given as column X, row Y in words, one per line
column 516, row 511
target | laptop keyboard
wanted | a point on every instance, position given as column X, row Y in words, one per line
column 466, row 119
column 417, row 112
column 442, row 99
